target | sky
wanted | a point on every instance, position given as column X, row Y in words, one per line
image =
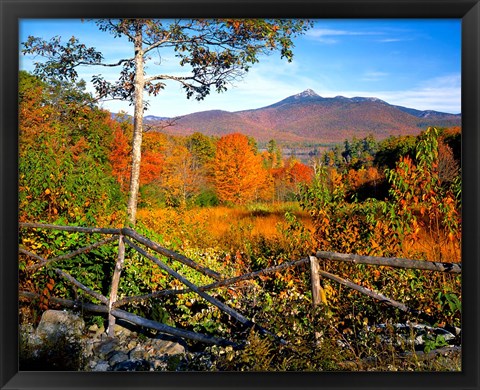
column 414, row 63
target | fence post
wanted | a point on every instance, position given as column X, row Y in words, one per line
column 114, row 286
column 318, row 294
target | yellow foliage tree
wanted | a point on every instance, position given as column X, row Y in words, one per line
column 182, row 175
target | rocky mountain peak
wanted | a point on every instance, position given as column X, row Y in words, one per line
column 305, row 94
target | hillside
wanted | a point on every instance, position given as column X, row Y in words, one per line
column 308, row 117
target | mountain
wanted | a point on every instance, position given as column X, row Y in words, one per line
column 153, row 118
column 147, row 119
column 308, row 117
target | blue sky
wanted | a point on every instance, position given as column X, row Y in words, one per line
column 412, row 63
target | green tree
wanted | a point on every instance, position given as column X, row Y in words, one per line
column 274, row 158
column 64, row 169
column 215, row 52
column 202, row 147
column 419, row 201
column 392, row 149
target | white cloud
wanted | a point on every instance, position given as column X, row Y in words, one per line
column 439, row 94
column 389, row 40
column 266, row 83
column 327, row 35
column 374, row 76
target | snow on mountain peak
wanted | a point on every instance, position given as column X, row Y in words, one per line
column 306, row 93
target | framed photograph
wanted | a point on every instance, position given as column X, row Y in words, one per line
column 290, row 202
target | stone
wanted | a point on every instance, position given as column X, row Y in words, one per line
column 160, row 365
column 58, row 343
column 54, row 345
column 117, row 357
column 101, row 366
column 137, row 353
column 166, row 347
column 132, row 365
column 57, row 323
column 88, row 348
column 121, row 331
column 93, row 328
column 106, row 346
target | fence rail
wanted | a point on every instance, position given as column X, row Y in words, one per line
column 133, row 239
column 392, row 262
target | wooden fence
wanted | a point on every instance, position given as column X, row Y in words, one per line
column 111, row 305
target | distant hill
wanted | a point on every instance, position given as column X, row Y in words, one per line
column 153, row 118
column 308, row 117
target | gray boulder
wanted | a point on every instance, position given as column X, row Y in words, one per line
column 55, row 345
column 56, row 324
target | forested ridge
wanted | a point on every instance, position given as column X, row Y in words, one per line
column 307, row 117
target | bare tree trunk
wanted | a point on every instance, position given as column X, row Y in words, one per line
column 137, row 127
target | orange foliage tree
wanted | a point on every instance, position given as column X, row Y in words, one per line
column 300, row 173
column 35, row 117
column 150, row 167
column 238, row 173
column 288, row 178
column 356, row 178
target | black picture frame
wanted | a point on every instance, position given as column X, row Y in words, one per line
column 13, row 10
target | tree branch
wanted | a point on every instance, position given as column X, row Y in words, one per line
column 120, row 62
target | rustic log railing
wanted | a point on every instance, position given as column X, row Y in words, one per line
column 111, row 303
column 130, row 237
column 393, row 262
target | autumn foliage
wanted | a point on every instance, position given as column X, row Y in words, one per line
column 238, row 172
column 120, row 158
column 288, row 178
column 235, row 208
column 64, row 145
column 418, row 217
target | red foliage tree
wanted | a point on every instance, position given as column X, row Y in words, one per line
column 119, row 157
column 287, row 178
column 150, row 167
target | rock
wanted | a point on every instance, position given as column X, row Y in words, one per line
column 93, row 328
column 137, row 353
column 29, row 337
column 420, row 332
column 57, row 323
column 101, row 366
column 54, row 345
column 132, row 365
column 121, row 331
column 160, row 365
column 106, row 346
column 165, row 347
column 63, row 342
column 117, row 357
column 88, row 348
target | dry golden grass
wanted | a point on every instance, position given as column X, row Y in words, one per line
column 210, row 226
column 433, row 248
column 218, row 222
